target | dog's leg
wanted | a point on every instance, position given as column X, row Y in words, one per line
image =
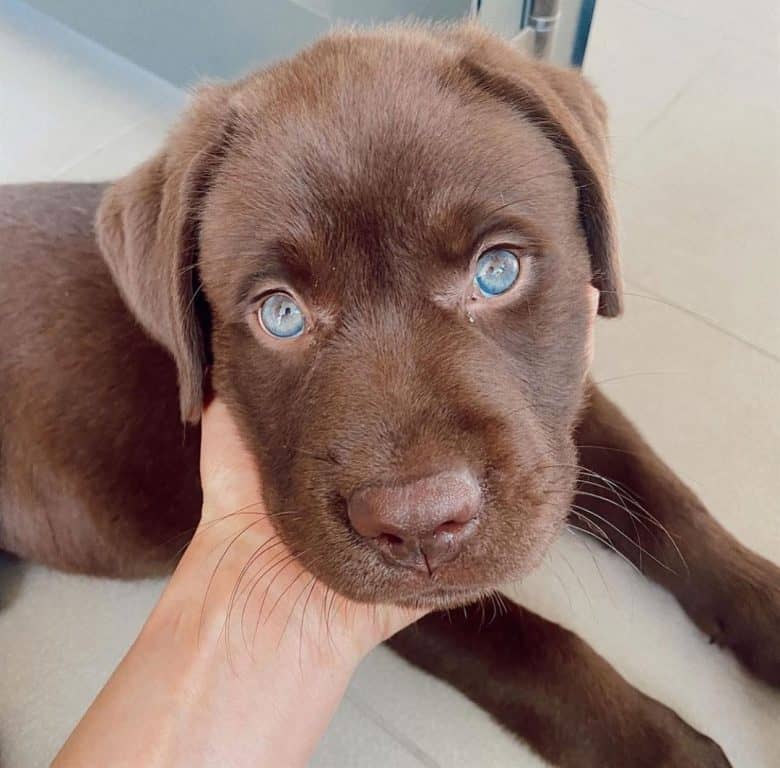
column 627, row 495
column 548, row 687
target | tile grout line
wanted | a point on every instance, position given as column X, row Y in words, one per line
column 126, row 131
column 656, row 296
column 696, row 21
column 401, row 738
column 633, row 146
column 673, row 101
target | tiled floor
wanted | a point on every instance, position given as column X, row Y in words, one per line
column 694, row 90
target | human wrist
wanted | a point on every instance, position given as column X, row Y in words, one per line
column 229, row 600
column 261, row 706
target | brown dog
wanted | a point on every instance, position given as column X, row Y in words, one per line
column 379, row 254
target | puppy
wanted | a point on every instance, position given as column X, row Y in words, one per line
column 381, row 254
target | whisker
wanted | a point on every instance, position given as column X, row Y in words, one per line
column 265, row 547
column 636, row 374
column 332, row 607
column 585, row 511
column 492, row 599
column 328, row 459
column 609, row 486
column 194, row 296
column 202, row 527
column 559, row 580
column 278, row 600
column 606, row 448
column 607, row 542
column 653, row 520
column 197, row 529
column 292, row 611
column 502, row 602
column 280, row 562
column 324, row 615
column 579, row 580
column 593, row 557
column 214, row 572
column 633, row 500
column 631, row 515
column 303, row 621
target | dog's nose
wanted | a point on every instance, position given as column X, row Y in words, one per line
column 422, row 524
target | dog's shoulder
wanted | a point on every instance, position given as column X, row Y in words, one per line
column 58, row 209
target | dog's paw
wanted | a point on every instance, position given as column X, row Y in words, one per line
column 669, row 742
column 739, row 609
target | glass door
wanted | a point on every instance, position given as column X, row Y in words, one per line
column 556, row 30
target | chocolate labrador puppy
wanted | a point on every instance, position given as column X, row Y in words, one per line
column 380, row 254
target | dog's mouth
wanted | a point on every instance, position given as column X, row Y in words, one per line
column 374, row 571
column 456, row 584
column 438, row 594
column 442, row 599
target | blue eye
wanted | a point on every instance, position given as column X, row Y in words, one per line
column 497, row 271
column 281, row 316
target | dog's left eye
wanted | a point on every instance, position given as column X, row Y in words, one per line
column 497, row 271
column 281, row 316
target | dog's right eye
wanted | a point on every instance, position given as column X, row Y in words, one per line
column 280, row 316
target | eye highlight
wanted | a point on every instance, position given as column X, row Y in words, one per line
column 497, row 271
column 280, row 315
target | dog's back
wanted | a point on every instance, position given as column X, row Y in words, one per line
column 62, row 501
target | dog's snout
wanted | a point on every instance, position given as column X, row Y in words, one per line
column 422, row 524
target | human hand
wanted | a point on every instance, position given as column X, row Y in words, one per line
column 256, row 596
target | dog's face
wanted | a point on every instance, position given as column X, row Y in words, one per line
column 384, row 250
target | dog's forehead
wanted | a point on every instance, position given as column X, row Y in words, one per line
column 366, row 112
column 343, row 154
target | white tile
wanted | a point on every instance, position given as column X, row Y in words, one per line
column 641, row 631
column 755, row 23
column 640, row 59
column 354, row 740
column 439, row 720
column 699, row 196
column 119, row 155
column 61, row 637
column 65, row 95
column 709, row 405
column 698, row 187
column 636, row 626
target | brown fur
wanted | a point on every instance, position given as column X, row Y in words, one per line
column 359, row 175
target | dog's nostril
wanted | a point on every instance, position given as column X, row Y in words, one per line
column 451, row 526
column 423, row 523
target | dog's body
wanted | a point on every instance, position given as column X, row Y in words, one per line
column 99, row 475
column 369, row 208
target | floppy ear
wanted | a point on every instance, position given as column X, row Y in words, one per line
column 148, row 231
column 566, row 108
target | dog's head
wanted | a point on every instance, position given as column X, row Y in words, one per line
column 384, row 250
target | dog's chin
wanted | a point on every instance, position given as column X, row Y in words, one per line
column 443, row 599
column 445, row 589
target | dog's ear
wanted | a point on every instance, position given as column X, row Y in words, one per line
column 566, row 108
column 148, row 230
